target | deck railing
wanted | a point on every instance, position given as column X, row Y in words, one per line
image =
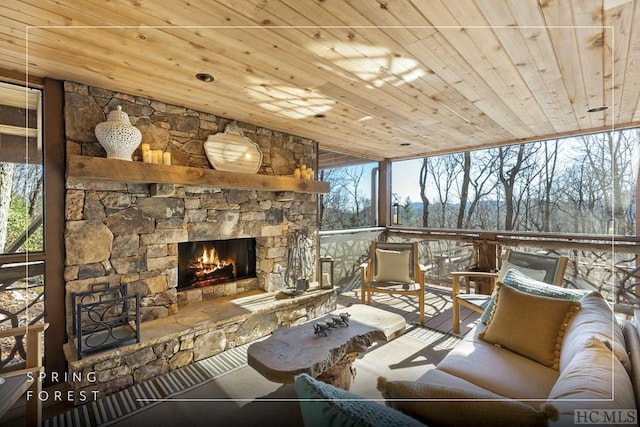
column 609, row 264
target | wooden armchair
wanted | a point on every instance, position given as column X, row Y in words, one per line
column 548, row 269
column 28, row 379
column 393, row 268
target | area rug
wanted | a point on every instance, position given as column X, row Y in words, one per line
column 108, row 409
column 224, row 390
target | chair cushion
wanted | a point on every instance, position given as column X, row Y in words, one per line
column 530, row 325
column 324, row 405
column 441, row 399
column 524, row 283
column 392, row 266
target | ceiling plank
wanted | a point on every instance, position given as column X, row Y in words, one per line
column 623, row 39
column 386, row 73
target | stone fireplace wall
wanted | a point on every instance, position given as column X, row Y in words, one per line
column 123, row 233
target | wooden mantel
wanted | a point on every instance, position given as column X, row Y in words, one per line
column 102, row 169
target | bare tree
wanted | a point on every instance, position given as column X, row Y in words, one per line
column 464, row 187
column 609, row 157
column 7, row 171
column 345, row 206
column 444, row 171
column 481, row 165
column 515, row 171
column 423, row 191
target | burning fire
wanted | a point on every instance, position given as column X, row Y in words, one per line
column 209, row 261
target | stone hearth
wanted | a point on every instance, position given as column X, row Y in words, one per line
column 199, row 331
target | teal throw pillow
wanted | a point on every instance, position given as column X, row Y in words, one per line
column 515, row 279
column 324, row 405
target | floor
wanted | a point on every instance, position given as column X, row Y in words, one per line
column 438, row 304
column 437, row 312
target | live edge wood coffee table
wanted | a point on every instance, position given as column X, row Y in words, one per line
column 291, row 351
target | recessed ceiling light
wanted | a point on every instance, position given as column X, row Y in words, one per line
column 320, row 116
column 204, row 77
column 597, row 109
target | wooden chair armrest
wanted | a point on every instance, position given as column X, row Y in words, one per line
column 364, row 267
column 22, row 330
column 488, row 274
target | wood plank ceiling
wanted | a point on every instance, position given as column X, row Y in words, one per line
column 370, row 78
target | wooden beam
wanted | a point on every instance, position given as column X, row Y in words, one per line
column 111, row 170
column 384, row 194
column 54, row 222
column 17, row 77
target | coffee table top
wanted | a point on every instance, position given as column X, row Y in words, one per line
column 291, row 351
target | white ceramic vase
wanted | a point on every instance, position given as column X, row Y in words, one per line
column 118, row 136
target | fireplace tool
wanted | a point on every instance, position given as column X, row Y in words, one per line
column 300, row 262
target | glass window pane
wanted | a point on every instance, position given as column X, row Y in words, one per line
column 21, row 171
column 584, row 184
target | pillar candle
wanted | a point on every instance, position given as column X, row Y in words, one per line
column 147, row 156
column 166, row 158
column 145, row 152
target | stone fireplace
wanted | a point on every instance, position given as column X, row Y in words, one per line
column 125, row 233
column 137, row 230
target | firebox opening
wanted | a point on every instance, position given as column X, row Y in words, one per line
column 216, row 261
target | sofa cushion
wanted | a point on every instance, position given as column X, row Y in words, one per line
column 530, row 325
column 595, row 319
column 441, row 399
column 632, row 340
column 524, row 283
column 594, row 379
column 392, row 266
column 323, row 405
column 499, row 370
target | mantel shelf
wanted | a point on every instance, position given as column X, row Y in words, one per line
column 111, row 170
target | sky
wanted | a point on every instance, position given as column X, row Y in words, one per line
column 404, row 176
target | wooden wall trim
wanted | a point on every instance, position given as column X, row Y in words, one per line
column 54, row 201
column 11, row 76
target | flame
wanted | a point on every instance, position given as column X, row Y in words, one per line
column 210, row 261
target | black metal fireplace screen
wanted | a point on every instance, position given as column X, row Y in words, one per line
column 105, row 317
column 212, row 262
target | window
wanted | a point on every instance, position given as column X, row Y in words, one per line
column 21, row 177
column 584, row 184
column 349, row 203
column 21, row 213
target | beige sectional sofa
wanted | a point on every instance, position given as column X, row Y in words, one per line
column 546, row 356
column 588, row 373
